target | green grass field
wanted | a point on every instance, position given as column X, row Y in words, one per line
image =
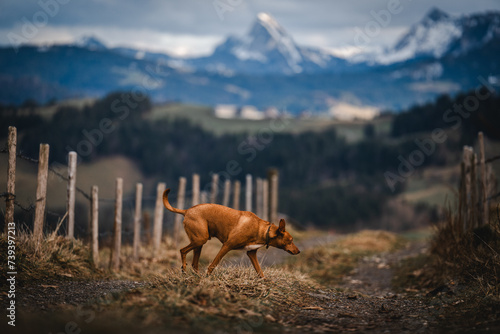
column 203, row 117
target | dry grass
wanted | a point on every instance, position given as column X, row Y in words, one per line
column 234, row 295
column 329, row 263
column 53, row 257
column 371, row 241
column 470, row 258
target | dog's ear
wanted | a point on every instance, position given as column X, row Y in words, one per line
column 281, row 228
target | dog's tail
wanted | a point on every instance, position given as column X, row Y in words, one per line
column 168, row 206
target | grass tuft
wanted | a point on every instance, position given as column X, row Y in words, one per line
column 53, row 257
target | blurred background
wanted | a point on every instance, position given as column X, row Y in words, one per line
column 363, row 107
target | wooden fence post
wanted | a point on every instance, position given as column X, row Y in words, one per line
column 258, row 197
column 462, row 217
column 473, row 189
column 196, row 190
column 117, row 230
column 248, row 193
column 203, row 197
column 137, row 221
column 94, row 225
column 158, row 220
column 181, row 194
column 215, row 188
column 467, row 204
column 236, row 195
column 273, row 181
column 483, row 195
column 11, row 177
column 41, row 191
column 227, row 193
column 265, row 199
column 72, row 159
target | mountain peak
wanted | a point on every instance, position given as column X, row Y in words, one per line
column 267, row 48
column 435, row 14
column 266, row 27
column 267, row 19
column 90, row 42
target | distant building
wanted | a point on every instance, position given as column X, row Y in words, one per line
column 226, row 111
column 251, row 113
column 347, row 112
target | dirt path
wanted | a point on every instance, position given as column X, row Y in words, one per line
column 365, row 301
column 47, row 294
column 374, row 274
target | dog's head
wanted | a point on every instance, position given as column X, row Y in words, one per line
column 284, row 240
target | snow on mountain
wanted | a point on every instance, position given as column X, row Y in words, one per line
column 437, row 35
column 431, row 37
column 266, row 48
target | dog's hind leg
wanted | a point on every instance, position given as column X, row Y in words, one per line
column 196, row 257
column 186, row 250
column 197, row 232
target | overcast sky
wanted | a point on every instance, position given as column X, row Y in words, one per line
column 194, row 27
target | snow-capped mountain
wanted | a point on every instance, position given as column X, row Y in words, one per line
column 266, row 67
column 266, row 48
column 437, row 35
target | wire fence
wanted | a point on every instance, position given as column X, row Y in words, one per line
column 29, row 209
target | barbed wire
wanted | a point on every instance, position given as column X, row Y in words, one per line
column 487, row 161
column 81, row 191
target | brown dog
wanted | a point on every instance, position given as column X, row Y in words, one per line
column 235, row 229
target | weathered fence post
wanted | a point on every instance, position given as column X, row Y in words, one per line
column 11, row 177
column 473, row 190
column 248, row 193
column 158, row 222
column 196, row 190
column 41, row 191
column 484, row 201
column 258, row 197
column 72, row 159
column 181, row 194
column 236, row 195
column 227, row 193
column 265, row 199
column 215, row 188
column 137, row 221
column 94, row 225
column 203, row 197
column 117, row 230
column 273, row 181
column 467, row 204
column 462, row 196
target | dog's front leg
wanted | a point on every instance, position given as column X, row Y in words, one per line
column 253, row 257
column 223, row 251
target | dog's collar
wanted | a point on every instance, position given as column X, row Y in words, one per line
column 267, row 236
